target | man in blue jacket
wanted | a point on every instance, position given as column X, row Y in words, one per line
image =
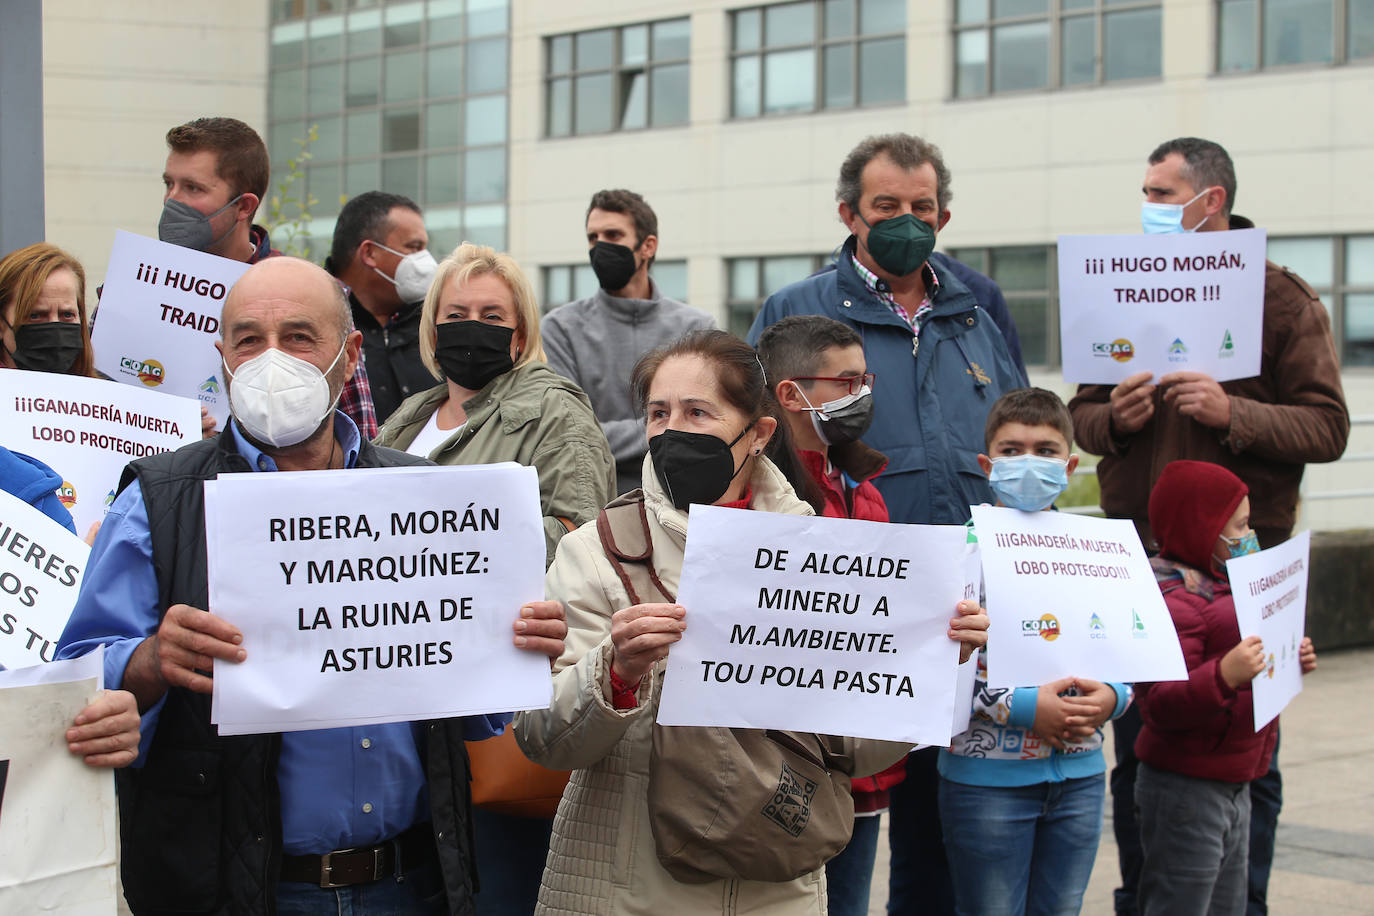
column 940, row 363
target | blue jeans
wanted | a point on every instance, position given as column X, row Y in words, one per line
column 1022, row 849
column 1266, row 798
column 918, row 881
column 849, row 875
column 420, row 892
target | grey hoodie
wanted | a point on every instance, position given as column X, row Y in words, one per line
column 597, row 341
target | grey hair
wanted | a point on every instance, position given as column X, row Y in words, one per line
column 345, row 315
column 1205, row 165
column 906, row 150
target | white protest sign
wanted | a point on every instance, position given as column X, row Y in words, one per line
column 41, row 565
column 1161, row 303
column 1270, row 591
column 792, row 625
column 968, row 671
column 368, row 596
column 88, row 429
column 159, row 319
column 57, row 815
column 1070, row 596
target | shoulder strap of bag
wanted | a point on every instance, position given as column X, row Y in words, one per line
column 623, row 528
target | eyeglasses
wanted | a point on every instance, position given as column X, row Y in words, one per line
column 856, row 383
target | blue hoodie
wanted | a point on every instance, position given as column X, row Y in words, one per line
column 35, row 483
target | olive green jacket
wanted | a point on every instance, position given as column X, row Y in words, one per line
column 531, row 416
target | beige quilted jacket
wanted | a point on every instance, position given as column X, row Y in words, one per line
column 601, row 857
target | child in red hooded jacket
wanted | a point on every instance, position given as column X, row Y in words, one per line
column 1198, row 747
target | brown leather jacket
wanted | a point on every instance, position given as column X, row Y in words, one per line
column 1293, row 413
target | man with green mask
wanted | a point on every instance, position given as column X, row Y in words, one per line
column 941, row 362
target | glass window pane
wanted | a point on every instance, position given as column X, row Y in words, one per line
column 971, row 11
column 287, row 97
column 281, row 142
column 1078, row 50
column 360, row 177
column 444, row 68
column 1083, row 4
column 1297, row 31
column 584, row 282
column 400, row 130
column 364, row 82
column 445, row 21
column 1359, row 29
column 1004, row 8
column 882, row 71
column 672, row 39
column 1132, row 45
column 741, row 318
column 671, row 277
column 1021, row 268
column 362, row 134
column 445, row 228
column 1359, row 260
column 789, row 81
column 560, row 54
column 402, row 76
column 1309, row 258
column 977, row 258
column 1021, row 56
column 971, row 71
column 486, row 65
column 594, row 49
column 556, row 281
column 328, row 143
column 326, row 37
column 322, row 181
column 839, row 76
column 1030, row 315
column 789, row 24
column 288, row 46
column 283, row 10
column 1358, row 349
column 326, row 88
column 745, row 91
column 634, row 100
column 593, row 95
column 839, row 18
column 878, row 16
column 1238, row 44
column 560, row 108
column 443, row 124
column 669, row 88
column 441, row 179
column 778, row 272
column 486, row 226
column 634, row 45
column 403, row 24
column 365, row 32
column 487, row 17
column 744, row 278
column 401, row 175
column 747, row 34
column 486, row 120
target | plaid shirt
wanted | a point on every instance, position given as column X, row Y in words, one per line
column 878, row 287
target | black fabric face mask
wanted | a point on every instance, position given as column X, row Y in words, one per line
column 51, row 346
column 472, row 353
column 613, row 265
column 694, row 467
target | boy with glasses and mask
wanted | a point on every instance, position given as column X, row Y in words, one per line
column 1021, row 791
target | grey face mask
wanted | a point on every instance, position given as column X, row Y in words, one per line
column 184, row 225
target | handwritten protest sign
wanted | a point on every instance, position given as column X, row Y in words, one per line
column 1162, row 303
column 57, row 815
column 87, row 430
column 159, row 319
column 41, row 565
column 793, row 625
column 1070, row 596
column 1270, row 591
column 380, row 595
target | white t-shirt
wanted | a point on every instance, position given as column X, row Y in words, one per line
column 431, row 437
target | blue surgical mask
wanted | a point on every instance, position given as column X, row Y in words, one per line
column 1166, row 219
column 1242, row 546
column 1028, row 482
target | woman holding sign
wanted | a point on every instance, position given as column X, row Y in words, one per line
column 43, row 304
column 684, row 820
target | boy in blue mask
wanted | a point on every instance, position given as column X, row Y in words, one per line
column 1021, row 791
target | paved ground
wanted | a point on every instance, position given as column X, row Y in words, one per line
column 1324, row 861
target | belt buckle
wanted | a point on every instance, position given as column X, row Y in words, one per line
column 327, row 867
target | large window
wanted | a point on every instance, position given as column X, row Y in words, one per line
column 1028, row 277
column 408, row 98
column 568, row 282
column 1253, row 34
column 752, row 280
column 1010, row 45
column 624, row 78
column 1341, row 271
column 798, row 57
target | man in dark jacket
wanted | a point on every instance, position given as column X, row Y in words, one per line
column 1262, row 429
column 381, row 253
column 255, row 824
column 940, row 364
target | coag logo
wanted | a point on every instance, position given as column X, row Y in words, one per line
column 148, row 371
column 1120, row 350
column 1046, row 627
column 66, row 494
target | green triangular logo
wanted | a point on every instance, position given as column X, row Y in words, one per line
column 1226, row 341
column 1139, row 624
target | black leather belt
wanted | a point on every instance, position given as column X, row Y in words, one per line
column 362, row 864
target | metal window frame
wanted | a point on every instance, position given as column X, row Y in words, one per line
column 1050, row 293
column 754, row 303
column 1340, row 23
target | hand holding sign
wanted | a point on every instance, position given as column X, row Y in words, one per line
column 542, row 627
column 969, row 628
column 1133, row 403
column 1197, row 395
column 1243, row 663
column 641, row 635
column 105, row 733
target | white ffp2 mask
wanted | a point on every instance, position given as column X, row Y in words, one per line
column 281, row 399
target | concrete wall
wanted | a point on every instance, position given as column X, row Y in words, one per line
column 1340, row 611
